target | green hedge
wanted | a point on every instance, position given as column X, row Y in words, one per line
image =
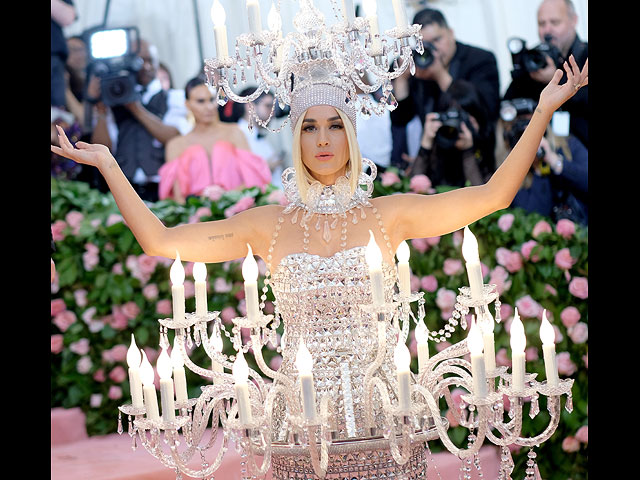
column 106, row 288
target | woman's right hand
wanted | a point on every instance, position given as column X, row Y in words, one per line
column 86, row 153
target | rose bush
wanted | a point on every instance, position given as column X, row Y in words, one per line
column 106, row 288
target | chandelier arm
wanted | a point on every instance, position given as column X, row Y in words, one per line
column 224, row 83
column 266, row 76
column 368, row 377
column 266, row 455
column 553, row 406
column 456, row 350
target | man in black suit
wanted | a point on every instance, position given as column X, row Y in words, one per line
column 445, row 60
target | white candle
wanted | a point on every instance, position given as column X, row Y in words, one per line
column 216, row 344
column 219, row 17
column 250, row 275
column 472, row 259
column 373, row 256
column 179, row 379
column 548, row 336
column 474, row 341
column 349, row 11
column 149, row 389
column 163, row 366
column 400, row 14
column 518, row 344
column 404, row 272
column 422, row 337
column 200, row 277
column 274, row 22
column 304, row 364
column 402, row 359
column 370, row 8
column 135, row 384
column 240, row 372
column 177, row 288
column 487, row 326
column 253, row 11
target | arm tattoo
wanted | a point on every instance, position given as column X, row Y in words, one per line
column 224, row 236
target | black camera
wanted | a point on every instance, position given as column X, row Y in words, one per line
column 424, row 59
column 527, row 60
column 510, row 109
column 452, row 120
column 114, row 60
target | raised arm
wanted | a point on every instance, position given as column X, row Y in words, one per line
column 417, row 216
column 208, row 242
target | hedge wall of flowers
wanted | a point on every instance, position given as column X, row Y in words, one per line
column 107, row 288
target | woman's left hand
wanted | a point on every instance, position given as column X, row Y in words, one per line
column 554, row 94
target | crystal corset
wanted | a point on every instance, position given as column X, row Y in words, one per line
column 318, row 298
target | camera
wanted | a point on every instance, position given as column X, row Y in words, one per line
column 527, row 60
column 113, row 59
column 425, row 59
column 452, row 120
column 510, row 109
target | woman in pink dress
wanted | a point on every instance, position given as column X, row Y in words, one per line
column 213, row 153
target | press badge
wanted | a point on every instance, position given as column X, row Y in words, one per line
column 560, row 124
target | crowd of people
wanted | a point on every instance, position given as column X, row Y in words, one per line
column 450, row 121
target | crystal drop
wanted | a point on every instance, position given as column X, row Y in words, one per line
column 569, row 405
column 196, row 337
column 392, row 103
column 533, row 411
column 134, row 445
column 120, row 423
column 366, row 113
column 412, row 66
column 318, row 224
column 222, row 97
column 420, row 47
column 326, row 234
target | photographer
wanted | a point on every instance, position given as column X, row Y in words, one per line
column 449, row 148
column 557, row 183
column 557, row 20
column 444, row 60
column 143, row 121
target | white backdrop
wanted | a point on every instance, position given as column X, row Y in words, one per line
column 171, row 24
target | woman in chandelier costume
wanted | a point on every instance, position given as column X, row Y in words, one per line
column 314, row 248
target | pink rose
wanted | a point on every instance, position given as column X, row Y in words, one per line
column 528, row 307
column 118, row 374
column 565, row 365
column 243, row 204
column 84, row 365
column 526, row 250
column 57, row 343
column 57, row 306
column 91, row 257
column 452, row 266
column 582, row 435
column 119, row 353
column 512, row 261
column 502, row 358
column 278, row 197
column 147, row 264
column 570, row 316
column 531, row 354
column 565, row 228
column 80, row 296
column 416, row 283
column 115, row 392
column 81, row 347
column 445, row 299
column 505, row 221
column 213, row 192
column 150, row 291
column 64, row 320
column 74, row 219
column 433, row 241
column 506, row 311
column 95, row 400
column 99, row 375
column 420, row 244
column 164, row 307
column 579, row 333
column 564, row 260
column 541, row 227
column 499, row 276
column 189, row 289
column 227, row 314
column 199, row 213
column 579, row 287
column 570, row 444
column 221, row 285
column 551, row 290
column 57, row 230
column 420, row 184
column 130, row 310
column 388, row 178
column 429, row 283
column 118, row 320
column 112, row 219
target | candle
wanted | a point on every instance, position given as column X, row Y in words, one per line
column 518, row 344
column 200, row 277
column 370, row 8
column 474, row 342
column 304, row 364
column 349, row 11
column 422, row 337
column 275, row 25
column 177, row 288
column 250, row 275
column 135, row 384
column 149, row 389
column 373, row 256
column 216, row 344
column 404, row 272
column 179, row 379
column 163, row 366
column 240, row 372
column 402, row 359
column 472, row 259
column 400, row 14
column 548, row 336
column 219, row 17
column 487, row 326
column 253, row 11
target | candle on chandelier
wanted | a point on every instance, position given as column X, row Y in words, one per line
column 487, row 326
column 474, row 268
column 404, row 272
column 177, row 288
column 518, row 344
column 422, row 337
column 240, row 373
column 149, row 389
column 163, row 366
column 255, row 21
column 219, row 17
column 400, row 13
column 135, row 384
column 179, row 378
column 250, row 275
column 474, row 342
column 200, row 277
column 349, row 11
column 548, row 336
column 304, row 364
column 216, row 343
column 402, row 359
column 370, row 11
column 274, row 22
column 373, row 256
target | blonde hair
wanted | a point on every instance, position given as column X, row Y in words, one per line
column 304, row 179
